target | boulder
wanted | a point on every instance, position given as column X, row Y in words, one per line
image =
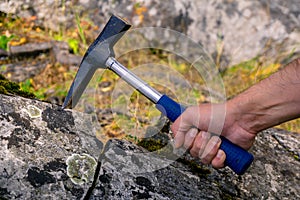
column 49, row 153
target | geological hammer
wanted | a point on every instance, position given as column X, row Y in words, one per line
column 100, row 54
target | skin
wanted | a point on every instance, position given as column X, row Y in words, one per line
column 270, row 102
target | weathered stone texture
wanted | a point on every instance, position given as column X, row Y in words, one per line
column 37, row 138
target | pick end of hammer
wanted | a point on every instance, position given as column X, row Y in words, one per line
column 67, row 103
column 63, row 107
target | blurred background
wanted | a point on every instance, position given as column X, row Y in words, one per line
column 42, row 43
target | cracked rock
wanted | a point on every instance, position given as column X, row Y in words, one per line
column 34, row 151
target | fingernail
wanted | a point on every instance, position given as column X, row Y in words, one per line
column 220, row 154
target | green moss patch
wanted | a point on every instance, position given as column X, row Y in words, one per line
column 9, row 87
column 151, row 144
column 195, row 167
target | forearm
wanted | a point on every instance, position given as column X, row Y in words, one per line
column 270, row 102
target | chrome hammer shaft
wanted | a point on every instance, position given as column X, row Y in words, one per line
column 143, row 87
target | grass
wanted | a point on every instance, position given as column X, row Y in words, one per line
column 80, row 30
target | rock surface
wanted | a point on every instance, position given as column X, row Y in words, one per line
column 37, row 139
column 232, row 30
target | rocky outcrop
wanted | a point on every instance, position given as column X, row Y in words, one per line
column 232, row 31
column 36, row 140
column 47, row 153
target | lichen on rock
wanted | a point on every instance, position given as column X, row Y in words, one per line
column 33, row 111
column 81, row 168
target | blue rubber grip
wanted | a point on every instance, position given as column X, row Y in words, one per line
column 237, row 158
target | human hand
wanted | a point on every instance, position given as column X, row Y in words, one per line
column 268, row 103
column 192, row 131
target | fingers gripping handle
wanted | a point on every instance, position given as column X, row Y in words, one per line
column 237, row 158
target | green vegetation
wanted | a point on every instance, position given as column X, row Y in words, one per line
column 74, row 45
column 195, row 166
column 80, row 30
column 56, row 79
column 151, row 144
column 9, row 87
column 27, row 87
column 4, row 40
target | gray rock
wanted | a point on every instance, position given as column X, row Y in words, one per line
column 63, row 56
column 38, row 140
column 30, row 48
column 231, row 31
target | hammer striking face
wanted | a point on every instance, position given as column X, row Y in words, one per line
column 101, row 55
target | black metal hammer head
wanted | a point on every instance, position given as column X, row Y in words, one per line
column 95, row 57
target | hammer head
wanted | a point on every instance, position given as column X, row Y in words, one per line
column 95, row 57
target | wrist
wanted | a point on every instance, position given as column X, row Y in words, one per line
column 244, row 112
column 254, row 110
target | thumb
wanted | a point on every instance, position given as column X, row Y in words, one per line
column 191, row 117
column 183, row 123
column 186, row 121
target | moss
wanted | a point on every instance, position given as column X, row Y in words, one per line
column 151, row 144
column 155, row 139
column 195, row 167
column 2, row 90
column 25, row 94
column 2, row 77
column 9, row 87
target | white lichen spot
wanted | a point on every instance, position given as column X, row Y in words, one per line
column 81, row 168
column 33, row 111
